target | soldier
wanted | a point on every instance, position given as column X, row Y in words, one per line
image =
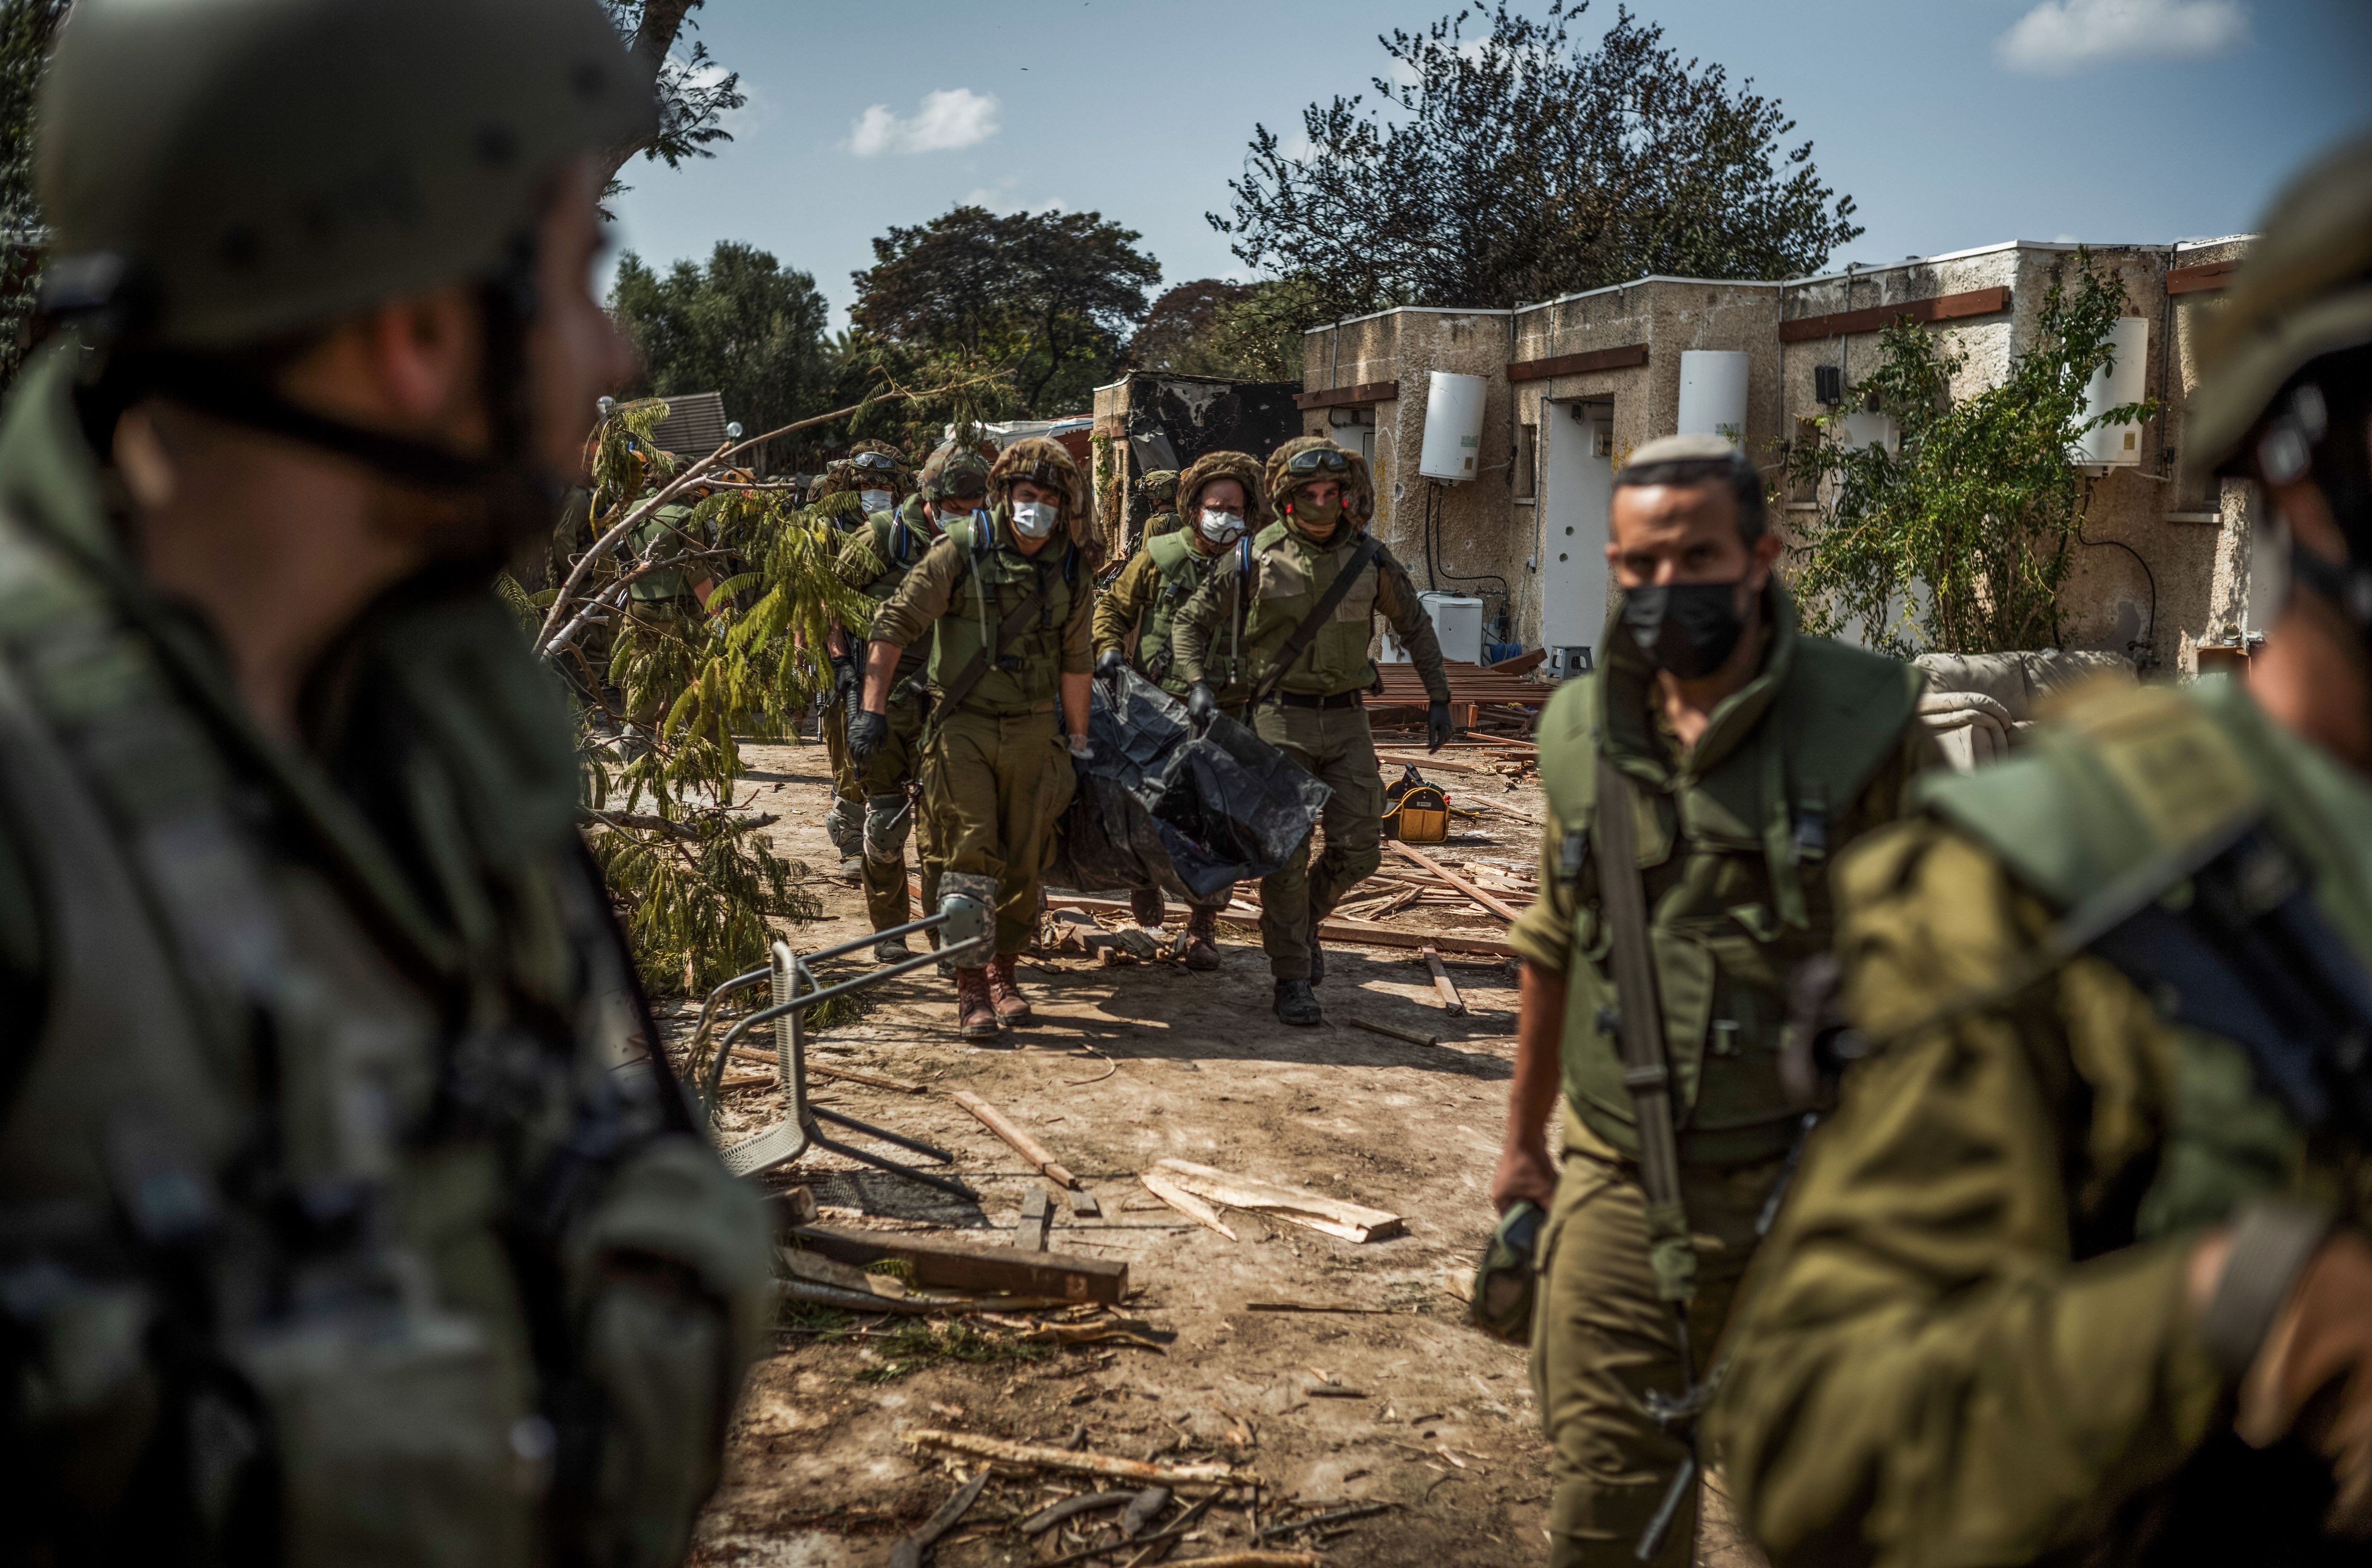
column 1156, row 506
column 346, row 1213
column 1005, row 598
column 1726, row 753
column 874, row 561
column 1320, row 580
column 2077, row 1270
column 1221, row 492
column 871, row 479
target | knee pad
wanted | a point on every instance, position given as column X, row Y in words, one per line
column 1348, row 865
column 844, row 826
column 888, row 818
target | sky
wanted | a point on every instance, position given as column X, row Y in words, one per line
column 1952, row 123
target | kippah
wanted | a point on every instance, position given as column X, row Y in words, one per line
column 1682, row 449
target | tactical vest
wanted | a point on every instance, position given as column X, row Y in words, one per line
column 2139, row 784
column 995, row 578
column 900, row 538
column 1745, row 897
column 1180, row 570
column 268, row 1162
column 1293, row 575
column 666, row 531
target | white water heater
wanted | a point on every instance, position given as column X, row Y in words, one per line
column 1453, row 427
column 1713, row 394
column 1457, row 626
column 2121, row 381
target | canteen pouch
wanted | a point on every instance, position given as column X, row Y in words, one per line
column 1415, row 812
column 1506, row 1283
column 395, row 1443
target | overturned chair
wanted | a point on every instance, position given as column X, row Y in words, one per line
column 965, row 929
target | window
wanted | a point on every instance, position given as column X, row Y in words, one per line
column 1800, row 491
column 1528, row 447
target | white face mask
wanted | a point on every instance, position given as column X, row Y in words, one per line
column 876, row 500
column 1222, row 527
column 1034, row 519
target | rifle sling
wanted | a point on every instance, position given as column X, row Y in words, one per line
column 1294, row 646
column 972, row 674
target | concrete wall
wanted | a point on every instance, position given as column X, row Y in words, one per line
column 2192, row 543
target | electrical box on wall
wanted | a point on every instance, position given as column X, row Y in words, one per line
column 1453, row 427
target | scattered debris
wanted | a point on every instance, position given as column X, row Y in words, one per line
column 1037, row 1214
column 1083, row 1202
column 1320, row 1521
column 1393, row 1031
column 1054, row 1514
column 908, row 1553
column 1314, row 1307
column 1453, row 1003
column 1143, row 1510
column 1022, row 1144
column 1107, row 1465
column 1334, row 1392
column 1496, row 905
column 952, row 1265
column 1185, row 1202
column 1351, row 1222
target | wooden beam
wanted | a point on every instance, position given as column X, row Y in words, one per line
column 1942, row 307
column 1337, row 396
column 952, row 1265
column 1497, row 906
column 1359, row 933
column 1621, row 358
column 2204, row 278
column 1022, row 1143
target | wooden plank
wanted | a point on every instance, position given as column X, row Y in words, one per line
column 1052, row 1458
column 1621, row 358
column 1185, row 1202
column 1522, row 664
column 1037, row 1214
column 1393, row 1031
column 2202, row 279
column 1359, row 933
column 1025, row 1145
column 1335, row 1216
column 1941, row 307
column 1453, row 1003
column 1339, row 397
column 1497, row 906
column 955, row 1265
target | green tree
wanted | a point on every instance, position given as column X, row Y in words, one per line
column 1523, row 164
column 742, row 324
column 1044, row 295
column 694, row 92
column 1960, row 540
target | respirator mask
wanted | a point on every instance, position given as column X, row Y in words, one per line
column 876, row 500
column 1222, row 527
column 1035, row 519
column 1687, row 629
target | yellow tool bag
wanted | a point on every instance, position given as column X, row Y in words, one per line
column 1415, row 812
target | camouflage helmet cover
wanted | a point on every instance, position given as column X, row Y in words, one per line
column 1241, row 466
column 220, row 174
column 1358, row 484
column 2304, row 291
column 954, row 470
column 1157, row 487
column 1050, row 466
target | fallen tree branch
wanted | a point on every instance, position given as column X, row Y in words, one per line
column 1108, row 1465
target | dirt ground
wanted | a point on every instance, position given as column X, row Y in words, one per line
column 1129, row 1063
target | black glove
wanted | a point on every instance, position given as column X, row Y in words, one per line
column 1110, row 663
column 1438, row 727
column 1202, row 702
column 844, row 675
column 866, row 731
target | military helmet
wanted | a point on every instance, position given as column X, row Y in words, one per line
column 1157, row 488
column 221, row 174
column 1241, row 466
column 1049, row 465
column 953, row 471
column 2303, row 292
column 1306, row 459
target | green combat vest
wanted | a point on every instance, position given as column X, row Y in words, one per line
column 994, row 581
column 2136, row 778
column 666, row 531
column 1293, row 575
column 320, row 1161
column 1743, row 827
column 900, row 538
column 1180, row 570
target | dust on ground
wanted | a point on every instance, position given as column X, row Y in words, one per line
column 1128, row 1064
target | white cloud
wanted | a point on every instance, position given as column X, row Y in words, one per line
column 2060, row 37
column 948, row 120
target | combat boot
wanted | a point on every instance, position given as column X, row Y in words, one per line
column 1004, row 994
column 1296, row 1004
column 1317, row 960
column 976, row 1013
column 1202, row 940
column 891, row 950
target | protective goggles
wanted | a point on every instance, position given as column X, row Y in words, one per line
column 1042, row 475
column 879, row 462
column 1318, row 460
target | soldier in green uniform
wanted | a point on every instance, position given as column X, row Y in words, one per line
column 1745, row 753
column 954, row 483
column 871, row 479
column 347, row 1212
column 2077, row 1270
column 1005, row 599
column 1155, row 512
column 1319, row 581
column 1221, row 491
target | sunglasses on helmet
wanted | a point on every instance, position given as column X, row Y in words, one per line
column 1318, row 459
column 879, row 462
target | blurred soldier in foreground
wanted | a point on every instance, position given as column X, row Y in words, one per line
column 1221, row 491
column 874, row 561
column 1320, row 580
column 1727, row 753
column 345, row 1215
column 871, row 479
column 2077, row 1271
column 1005, row 599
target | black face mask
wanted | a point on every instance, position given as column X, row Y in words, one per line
column 1690, row 629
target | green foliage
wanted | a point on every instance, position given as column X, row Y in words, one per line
column 1959, row 541
column 1251, row 331
column 694, row 93
column 1045, row 295
column 743, row 325
column 1520, row 164
column 919, row 1343
column 697, row 895
column 26, row 27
